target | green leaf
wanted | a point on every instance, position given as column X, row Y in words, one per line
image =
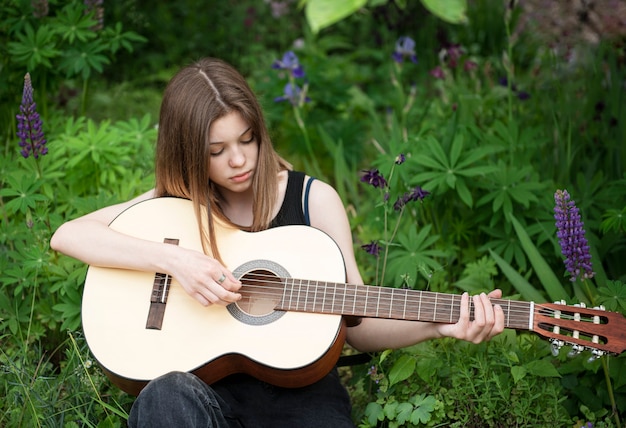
column 404, row 413
column 542, row 368
column 523, row 287
column 518, row 373
column 453, row 11
column 374, row 413
column 424, row 406
column 548, row 279
column 402, row 369
column 323, row 13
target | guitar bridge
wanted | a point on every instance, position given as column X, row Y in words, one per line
column 158, row 298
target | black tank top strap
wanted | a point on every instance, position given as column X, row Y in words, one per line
column 292, row 210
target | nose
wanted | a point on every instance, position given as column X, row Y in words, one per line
column 237, row 158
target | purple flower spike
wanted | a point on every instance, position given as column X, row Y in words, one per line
column 289, row 62
column 29, row 125
column 571, row 236
column 374, row 177
column 405, row 48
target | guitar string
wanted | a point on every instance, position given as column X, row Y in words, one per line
column 515, row 308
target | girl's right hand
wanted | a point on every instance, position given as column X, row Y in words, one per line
column 204, row 278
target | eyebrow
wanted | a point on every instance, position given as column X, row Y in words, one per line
column 240, row 135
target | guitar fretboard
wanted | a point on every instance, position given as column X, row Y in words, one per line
column 384, row 302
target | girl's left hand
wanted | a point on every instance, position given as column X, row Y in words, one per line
column 488, row 319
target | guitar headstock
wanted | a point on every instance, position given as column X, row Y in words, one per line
column 596, row 329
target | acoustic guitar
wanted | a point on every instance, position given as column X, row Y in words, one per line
column 288, row 328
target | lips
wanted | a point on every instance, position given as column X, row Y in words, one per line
column 241, row 177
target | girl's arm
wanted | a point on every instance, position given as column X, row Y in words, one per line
column 90, row 240
column 328, row 214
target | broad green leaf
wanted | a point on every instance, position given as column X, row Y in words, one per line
column 452, row 11
column 323, row 13
column 527, row 291
column 548, row 279
column 518, row 373
column 542, row 368
column 424, row 406
column 402, row 369
column 374, row 413
column 404, row 412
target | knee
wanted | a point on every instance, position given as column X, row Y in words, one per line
column 173, row 383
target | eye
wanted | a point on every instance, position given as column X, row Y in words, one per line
column 215, row 151
column 247, row 139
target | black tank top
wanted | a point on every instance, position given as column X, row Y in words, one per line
column 294, row 210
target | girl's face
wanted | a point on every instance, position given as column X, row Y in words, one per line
column 234, row 151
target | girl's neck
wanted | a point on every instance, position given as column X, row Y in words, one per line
column 238, row 208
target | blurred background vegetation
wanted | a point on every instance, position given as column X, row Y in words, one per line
column 504, row 106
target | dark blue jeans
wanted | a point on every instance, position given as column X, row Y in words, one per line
column 183, row 400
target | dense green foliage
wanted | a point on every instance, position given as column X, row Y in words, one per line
column 489, row 121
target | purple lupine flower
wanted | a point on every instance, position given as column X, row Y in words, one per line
column 29, row 125
column 372, row 248
column 571, row 234
column 293, row 94
column 289, row 62
column 374, row 177
column 400, row 159
column 405, row 47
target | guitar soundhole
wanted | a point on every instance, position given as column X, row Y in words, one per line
column 262, row 291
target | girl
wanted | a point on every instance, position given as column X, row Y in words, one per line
column 214, row 149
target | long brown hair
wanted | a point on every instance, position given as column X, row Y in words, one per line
column 195, row 97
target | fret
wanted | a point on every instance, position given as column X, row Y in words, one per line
column 378, row 301
column 298, row 294
column 332, row 308
column 419, row 306
column 404, row 308
column 343, row 301
column 452, row 311
column 508, row 313
column 354, row 301
column 306, row 296
column 365, row 304
column 391, row 302
column 315, row 300
column 435, row 308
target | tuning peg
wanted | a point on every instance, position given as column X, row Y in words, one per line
column 576, row 349
column 556, row 346
column 595, row 354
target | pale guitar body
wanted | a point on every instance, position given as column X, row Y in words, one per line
column 288, row 328
column 294, row 349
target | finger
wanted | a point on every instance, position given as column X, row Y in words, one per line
column 495, row 294
column 228, row 281
column 479, row 309
column 464, row 312
column 498, row 326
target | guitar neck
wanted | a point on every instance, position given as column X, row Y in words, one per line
column 383, row 302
